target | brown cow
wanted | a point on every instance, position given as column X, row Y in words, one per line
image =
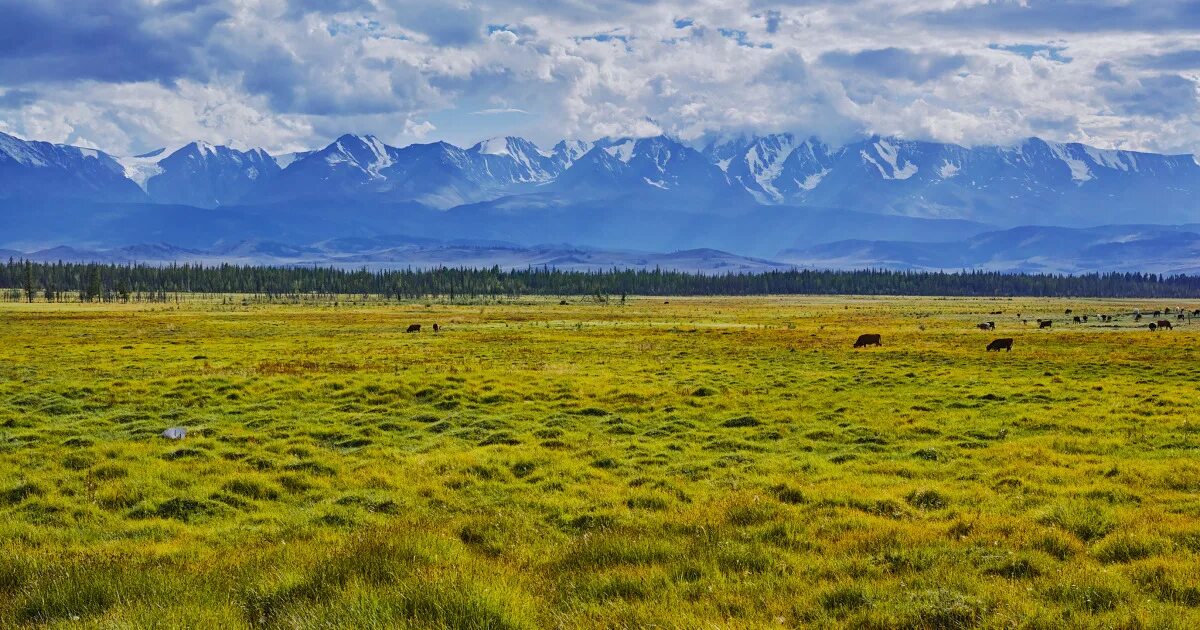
column 436, row 327
column 868, row 340
column 413, row 328
column 1164, row 324
column 1000, row 344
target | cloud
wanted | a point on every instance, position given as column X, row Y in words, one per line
column 896, row 63
column 113, row 41
column 1174, row 60
column 284, row 74
column 1158, row 96
column 499, row 110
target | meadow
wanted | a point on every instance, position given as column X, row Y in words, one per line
column 681, row 462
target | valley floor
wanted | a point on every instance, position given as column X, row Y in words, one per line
column 673, row 463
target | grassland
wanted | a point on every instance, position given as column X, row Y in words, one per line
column 697, row 463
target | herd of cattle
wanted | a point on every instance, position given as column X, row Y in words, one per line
column 1006, row 343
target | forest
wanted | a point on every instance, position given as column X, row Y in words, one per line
column 69, row 282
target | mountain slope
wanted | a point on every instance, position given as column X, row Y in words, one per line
column 40, row 170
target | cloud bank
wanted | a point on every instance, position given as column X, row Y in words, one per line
column 132, row 75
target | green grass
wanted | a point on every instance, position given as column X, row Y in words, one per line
column 702, row 463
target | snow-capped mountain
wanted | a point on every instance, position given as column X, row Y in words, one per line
column 200, row 174
column 677, row 175
column 41, row 170
column 1033, row 182
column 776, row 168
column 510, row 160
column 439, row 174
column 509, row 186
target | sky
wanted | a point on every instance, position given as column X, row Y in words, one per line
column 128, row 76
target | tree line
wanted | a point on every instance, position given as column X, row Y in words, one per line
column 66, row 281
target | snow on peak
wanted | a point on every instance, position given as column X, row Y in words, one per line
column 891, row 154
column 20, row 151
column 1080, row 172
column 622, row 151
column 947, row 170
column 376, row 159
column 494, row 146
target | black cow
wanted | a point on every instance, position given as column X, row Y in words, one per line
column 1077, row 320
column 1153, row 327
column 987, row 326
column 1067, row 312
column 436, row 327
column 413, row 328
column 1044, row 323
column 1000, row 344
column 868, row 340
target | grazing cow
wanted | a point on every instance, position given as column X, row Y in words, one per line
column 1153, row 327
column 1181, row 317
column 1164, row 324
column 562, row 302
column 436, row 327
column 1000, row 344
column 1067, row 312
column 1137, row 318
column 987, row 326
column 1196, row 312
column 1044, row 323
column 1157, row 313
column 1085, row 319
column 413, row 328
column 1077, row 320
column 868, row 340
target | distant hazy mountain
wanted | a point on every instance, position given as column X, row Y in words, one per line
column 401, row 252
column 1151, row 248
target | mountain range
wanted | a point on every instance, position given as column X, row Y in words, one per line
column 877, row 201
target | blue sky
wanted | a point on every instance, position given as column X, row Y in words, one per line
column 133, row 75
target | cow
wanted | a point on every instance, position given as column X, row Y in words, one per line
column 1153, row 327
column 436, row 327
column 987, row 326
column 1067, row 312
column 1164, row 324
column 1196, row 312
column 562, row 302
column 1044, row 323
column 1000, row 344
column 1085, row 319
column 1180, row 317
column 868, row 340
column 996, row 313
column 1077, row 320
column 412, row 328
